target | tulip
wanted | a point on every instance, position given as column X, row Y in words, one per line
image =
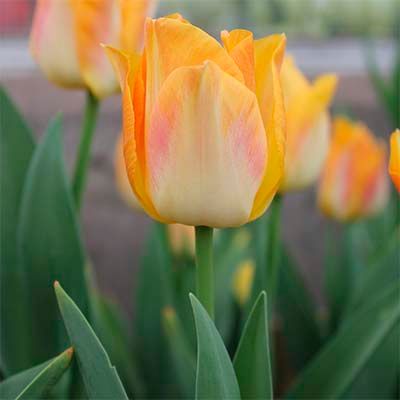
column 66, row 37
column 354, row 182
column 203, row 125
column 243, row 281
column 394, row 163
column 308, row 125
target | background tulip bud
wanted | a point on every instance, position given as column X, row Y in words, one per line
column 181, row 239
column 354, row 182
column 394, row 163
column 201, row 144
column 66, row 37
column 243, row 281
column 308, row 125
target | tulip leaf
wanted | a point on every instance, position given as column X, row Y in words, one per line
column 331, row 373
column 182, row 355
column 16, row 148
column 252, row 359
column 49, row 245
column 36, row 382
column 153, row 293
column 100, row 377
column 298, row 314
column 215, row 376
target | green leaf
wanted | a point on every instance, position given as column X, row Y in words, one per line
column 16, row 148
column 43, row 383
column 153, row 293
column 37, row 381
column 215, row 376
column 339, row 363
column 298, row 314
column 49, row 245
column 252, row 359
column 100, row 377
column 182, row 354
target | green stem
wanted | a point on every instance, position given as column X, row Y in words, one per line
column 204, row 268
column 83, row 158
column 273, row 250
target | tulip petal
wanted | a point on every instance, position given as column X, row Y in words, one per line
column 53, row 43
column 96, row 22
column 394, row 163
column 206, row 148
column 239, row 44
column 269, row 54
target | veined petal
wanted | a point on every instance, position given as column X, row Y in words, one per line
column 240, row 45
column 206, row 148
column 269, row 54
column 96, row 21
column 394, row 163
column 53, row 43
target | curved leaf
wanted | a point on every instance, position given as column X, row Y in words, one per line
column 100, row 377
column 215, row 377
column 252, row 359
column 16, row 148
column 49, row 245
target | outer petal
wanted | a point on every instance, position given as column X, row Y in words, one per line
column 305, row 159
column 134, row 153
column 96, row 21
column 53, row 42
column 394, row 163
column 240, row 45
column 269, row 54
column 121, row 177
column 206, row 148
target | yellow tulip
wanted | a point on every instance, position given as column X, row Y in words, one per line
column 243, row 281
column 354, row 182
column 308, row 125
column 394, row 163
column 66, row 36
column 203, row 125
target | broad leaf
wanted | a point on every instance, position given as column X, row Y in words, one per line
column 49, row 245
column 252, row 359
column 215, row 376
column 16, row 148
column 37, row 381
column 100, row 377
column 339, row 363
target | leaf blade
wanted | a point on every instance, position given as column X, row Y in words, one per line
column 100, row 377
column 252, row 359
column 215, row 376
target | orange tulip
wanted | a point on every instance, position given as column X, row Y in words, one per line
column 354, row 182
column 394, row 163
column 203, row 124
column 308, row 125
column 66, row 37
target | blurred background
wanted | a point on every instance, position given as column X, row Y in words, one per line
column 324, row 36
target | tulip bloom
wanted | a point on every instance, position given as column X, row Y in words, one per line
column 203, row 125
column 354, row 182
column 308, row 125
column 66, row 37
column 243, row 281
column 394, row 163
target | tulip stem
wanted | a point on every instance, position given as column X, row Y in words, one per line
column 83, row 158
column 273, row 249
column 204, row 267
